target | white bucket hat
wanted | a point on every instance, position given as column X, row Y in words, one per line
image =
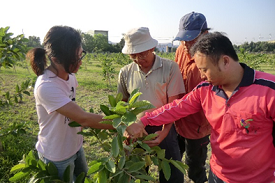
column 138, row 40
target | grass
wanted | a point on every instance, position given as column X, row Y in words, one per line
column 92, row 92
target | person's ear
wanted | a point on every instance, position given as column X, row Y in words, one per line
column 226, row 61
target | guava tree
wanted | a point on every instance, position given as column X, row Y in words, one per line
column 125, row 163
column 11, row 48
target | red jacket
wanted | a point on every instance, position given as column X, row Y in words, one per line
column 241, row 136
column 194, row 126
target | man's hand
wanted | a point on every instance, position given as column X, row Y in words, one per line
column 158, row 139
column 161, row 135
column 136, row 130
column 128, row 138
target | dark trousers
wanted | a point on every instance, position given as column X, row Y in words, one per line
column 196, row 154
column 213, row 178
column 172, row 151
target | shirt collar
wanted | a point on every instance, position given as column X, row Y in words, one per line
column 248, row 76
column 157, row 63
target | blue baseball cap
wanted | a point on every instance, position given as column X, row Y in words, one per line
column 190, row 26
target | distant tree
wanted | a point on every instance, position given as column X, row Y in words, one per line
column 88, row 42
column 121, row 43
column 101, row 42
column 34, row 42
column 11, row 48
column 236, row 47
column 261, row 46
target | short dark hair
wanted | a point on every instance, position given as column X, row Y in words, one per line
column 61, row 42
column 214, row 45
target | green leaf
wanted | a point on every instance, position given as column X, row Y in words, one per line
column 74, row 124
column 121, row 107
column 129, row 117
column 150, row 136
column 33, row 163
column 134, row 97
column 97, row 166
column 161, row 154
column 138, row 151
column 113, row 116
column 17, row 167
column 112, row 100
column 30, row 159
column 116, row 122
column 146, row 177
column 102, row 176
column 88, row 180
column 144, row 146
column 41, row 165
column 121, row 129
column 110, row 166
column 91, row 110
column 120, row 139
column 119, row 97
column 138, row 110
column 106, row 146
column 44, row 175
column 148, row 160
column 156, row 148
column 123, row 178
column 121, row 162
column 104, row 159
column 80, row 178
column 106, row 122
column 17, row 88
column 179, row 165
column 155, row 160
column 105, row 110
column 20, row 175
column 166, row 169
column 31, row 155
column 51, row 169
column 27, row 93
column 136, row 166
column 133, row 93
column 66, row 174
column 140, row 104
column 102, row 135
column 115, row 147
column 117, row 173
column 85, row 133
column 16, row 99
column 7, row 95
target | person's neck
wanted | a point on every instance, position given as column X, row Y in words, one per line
column 59, row 72
column 234, row 79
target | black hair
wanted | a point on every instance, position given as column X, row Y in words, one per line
column 214, row 45
column 61, row 42
column 203, row 30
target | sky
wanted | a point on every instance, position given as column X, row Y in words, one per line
column 241, row 20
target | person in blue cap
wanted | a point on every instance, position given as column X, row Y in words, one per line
column 193, row 137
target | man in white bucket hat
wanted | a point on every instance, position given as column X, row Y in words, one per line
column 160, row 82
